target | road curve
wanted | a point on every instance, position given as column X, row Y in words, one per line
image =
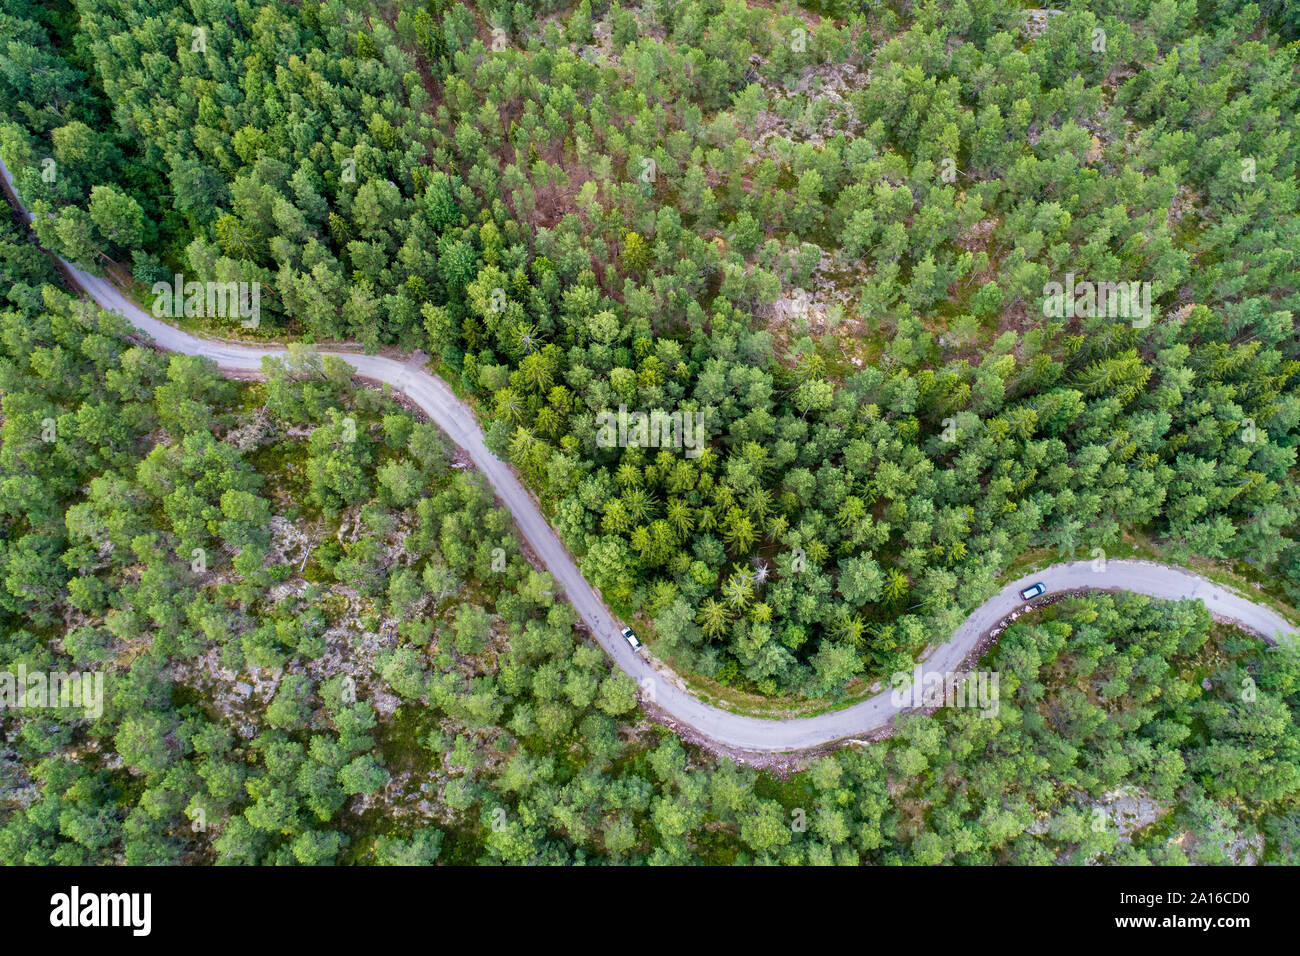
column 658, row 683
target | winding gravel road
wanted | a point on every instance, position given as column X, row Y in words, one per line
column 658, row 683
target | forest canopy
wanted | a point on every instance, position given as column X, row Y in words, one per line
column 826, row 232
